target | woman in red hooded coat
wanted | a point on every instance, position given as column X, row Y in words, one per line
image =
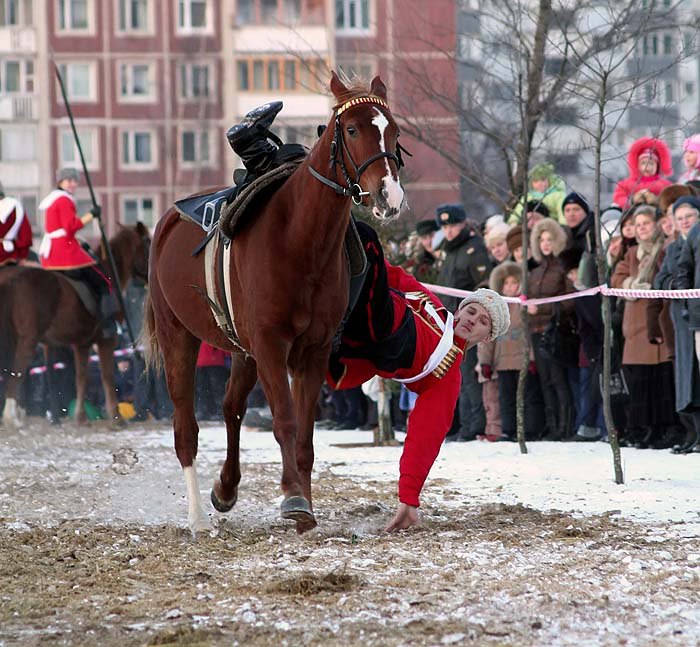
column 648, row 161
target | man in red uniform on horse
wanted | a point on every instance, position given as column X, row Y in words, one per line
column 15, row 231
column 61, row 251
column 397, row 330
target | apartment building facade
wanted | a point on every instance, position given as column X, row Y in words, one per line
column 155, row 84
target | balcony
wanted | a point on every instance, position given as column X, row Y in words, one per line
column 20, row 175
column 20, row 107
column 18, row 40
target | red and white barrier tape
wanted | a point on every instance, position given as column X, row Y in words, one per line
column 602, row 289
column 120, row 352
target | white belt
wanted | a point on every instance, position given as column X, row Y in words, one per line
column 443, row 347
column 45, row 247
column 8, row 245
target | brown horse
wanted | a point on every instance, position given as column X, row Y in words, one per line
column 289, row 291
column 42, row 307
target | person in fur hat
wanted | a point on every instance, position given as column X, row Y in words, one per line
column 648, row 162
column 548, row 240
column 15, row 231
column 645, row 361
column 686, row 211
column 691, row 159
column 496, row 243
column 545, row 187
column 667, row 197
column 502, row 358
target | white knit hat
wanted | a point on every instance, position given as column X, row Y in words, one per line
column 497, row 308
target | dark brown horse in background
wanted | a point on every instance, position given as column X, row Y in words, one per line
column 41, row 307
column 289, row 285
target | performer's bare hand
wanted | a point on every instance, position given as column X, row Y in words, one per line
column 405, row 517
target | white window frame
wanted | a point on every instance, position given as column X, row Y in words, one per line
column 23, row 76
column 22, row 132
column 131, row 134
column 24, row 17
column 183, row 90
column 67, row 78
column 149, row 30
column 72, row 31
column 128, row 68
column 90, row 146
column 359, row 29
column 198, row 162
column 187, row 28
column 139, row 198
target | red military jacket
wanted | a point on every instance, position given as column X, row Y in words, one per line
column 59, row 248
column 15, row 232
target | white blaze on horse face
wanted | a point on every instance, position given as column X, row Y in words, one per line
column 196, row 518
column 393, row 190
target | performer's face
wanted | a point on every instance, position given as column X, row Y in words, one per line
column 473, row 323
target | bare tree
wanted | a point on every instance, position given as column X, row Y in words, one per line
column 516, row 63
column 605, row 90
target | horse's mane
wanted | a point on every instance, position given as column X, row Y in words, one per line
column 357, row 87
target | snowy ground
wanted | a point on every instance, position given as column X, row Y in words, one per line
column 536, row 549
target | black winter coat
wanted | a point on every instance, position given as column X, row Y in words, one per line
column 688, row 274
column 465, row 267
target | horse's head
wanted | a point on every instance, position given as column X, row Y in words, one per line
column 131, row 247
column 365, row 146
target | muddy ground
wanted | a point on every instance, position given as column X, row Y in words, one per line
column 94, row 550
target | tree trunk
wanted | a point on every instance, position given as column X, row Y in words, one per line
column 384, row 432
column 602, row 276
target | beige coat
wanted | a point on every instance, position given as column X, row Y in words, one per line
column 638, row 350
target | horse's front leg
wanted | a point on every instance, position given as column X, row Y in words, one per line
column 240, row 383
column 105, row 351
column 18, row 368
column 271, row 357
column 80, row 355
column 306, row 388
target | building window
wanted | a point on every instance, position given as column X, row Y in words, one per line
column 73, row 15
column 689, row 88
column 364, row 70
column 137, row 148
column 14, row 13
column 137, row 209
column 136, row 82
column 68, row 151
column 134, row 16
column 668, row 45
column 352, row 15
column 271, row 12
column 17, row 144
column 281, row 74
column 194, row 148
column 195, row 81
column 668, row 92
column 79, row 79
column 16, row 76
column 193, row 15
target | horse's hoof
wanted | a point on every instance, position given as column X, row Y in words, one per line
column 223, row 506
column 298, row 509
column 199, row 524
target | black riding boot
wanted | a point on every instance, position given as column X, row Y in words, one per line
column 249, row 139
column 109, row 307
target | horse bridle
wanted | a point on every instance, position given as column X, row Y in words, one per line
column 353, row 188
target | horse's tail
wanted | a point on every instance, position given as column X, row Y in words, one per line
column 148, row 339
column 8, row 334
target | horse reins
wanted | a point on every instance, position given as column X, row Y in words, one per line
column 353, row 188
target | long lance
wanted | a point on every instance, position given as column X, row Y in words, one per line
column 105, row 242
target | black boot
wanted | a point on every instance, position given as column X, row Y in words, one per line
column 551, row 425
column 566, row 421
column 249, row 138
